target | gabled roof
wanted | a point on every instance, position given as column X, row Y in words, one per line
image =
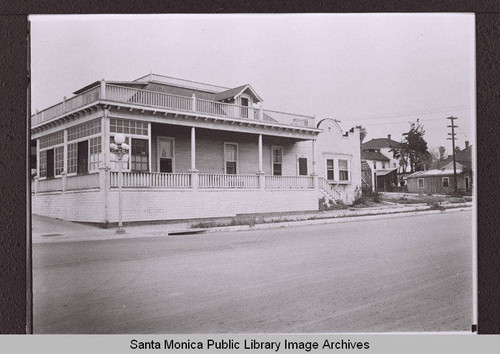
column 463, row 157
column 385, row 172
column 380, row 143
column 373, row 155
column 235, row 92
column 445, row 171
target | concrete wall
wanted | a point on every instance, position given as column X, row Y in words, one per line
column 140, row 205
column 162, row 204
column 84, row 206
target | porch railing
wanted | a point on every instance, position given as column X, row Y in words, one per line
column 329, row 188
column 152, row 180
column 289, row 182
column 174, row 102
column 207, row 180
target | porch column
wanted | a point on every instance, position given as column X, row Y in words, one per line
column 104, row 186
column 103, row 90
column 37, row 177
column 194, row 102
column 262, row 179
column 314, row 174
column 105, row 161
column 65, row 160
column 193, row 170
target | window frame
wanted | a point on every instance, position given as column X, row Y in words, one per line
column 276, row 148
column 298, row 165
column 347, row 170
column 237, row 157
column 447, row 179
column 332, row 169
column 158, row 154
column 418, row 182
column 143, row 141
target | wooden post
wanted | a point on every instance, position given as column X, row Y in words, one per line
column 103, row 90
column 261, row 113
column 194, row 102
column 261, row 170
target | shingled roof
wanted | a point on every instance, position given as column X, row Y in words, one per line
column 373, row 155
column 380, row 143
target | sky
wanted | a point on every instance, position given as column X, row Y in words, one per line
column 381, row 71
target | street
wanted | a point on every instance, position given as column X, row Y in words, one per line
column 410, row 273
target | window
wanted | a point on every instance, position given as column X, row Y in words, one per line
column 467, row 183
column 277, row 161
column 302, row 166
column 43, row 163
column 86, row 129
column 383, row 165
column 50, row 163
column 446, row 182
column 140, row 155
column 394, row 165
column 244, row 109
column 52, row 139
column 230, row 158
column 58, row 160
column 165, row 154
column 94, row 153
column 420, row 182
column 126, row 126
column 72, row 157
column 374, row 165
column 343, row 170
column 329, row 169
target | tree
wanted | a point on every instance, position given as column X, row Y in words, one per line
column 442, row 151
column 413, row 149
column 362, row 133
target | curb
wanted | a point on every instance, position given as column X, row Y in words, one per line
column 333, row 220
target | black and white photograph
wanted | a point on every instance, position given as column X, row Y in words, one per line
column 253, row 173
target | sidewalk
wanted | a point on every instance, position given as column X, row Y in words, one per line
column 47, row 230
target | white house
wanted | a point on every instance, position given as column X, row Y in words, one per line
column 197, row 150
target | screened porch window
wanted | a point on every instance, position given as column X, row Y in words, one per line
column 230, row 158
column 140, row 155
column 277, row 161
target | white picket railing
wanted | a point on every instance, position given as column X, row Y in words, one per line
column 174, row 102
column 289, row 182
column 329, row 188
column 152, row 180
column 208, row 180
column 69, row 105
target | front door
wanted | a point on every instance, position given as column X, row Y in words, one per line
column 165, row 154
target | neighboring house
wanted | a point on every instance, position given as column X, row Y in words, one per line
column 196, row 151
column 463, row 157
column 441, row 181
column 378, row 154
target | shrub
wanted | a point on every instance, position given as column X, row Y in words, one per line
column 376, row 197
column 436, row 206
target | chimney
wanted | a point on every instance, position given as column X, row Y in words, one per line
column 466, row 144
column 389, row 136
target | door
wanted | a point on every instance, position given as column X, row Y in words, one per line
column 83, row 157
column 244, row 109
column 302, row 166
column 50, row 163
column 165, row 154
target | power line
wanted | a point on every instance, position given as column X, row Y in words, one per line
column 407, row 114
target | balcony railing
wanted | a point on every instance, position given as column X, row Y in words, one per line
column 159, row 100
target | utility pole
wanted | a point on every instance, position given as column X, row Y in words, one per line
column 453, row 126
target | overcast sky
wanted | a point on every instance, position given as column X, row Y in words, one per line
column 377, row 70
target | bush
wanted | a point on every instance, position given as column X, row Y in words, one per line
column 376, row 197
column 436, row 206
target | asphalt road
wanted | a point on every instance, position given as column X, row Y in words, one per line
column 411, row 273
